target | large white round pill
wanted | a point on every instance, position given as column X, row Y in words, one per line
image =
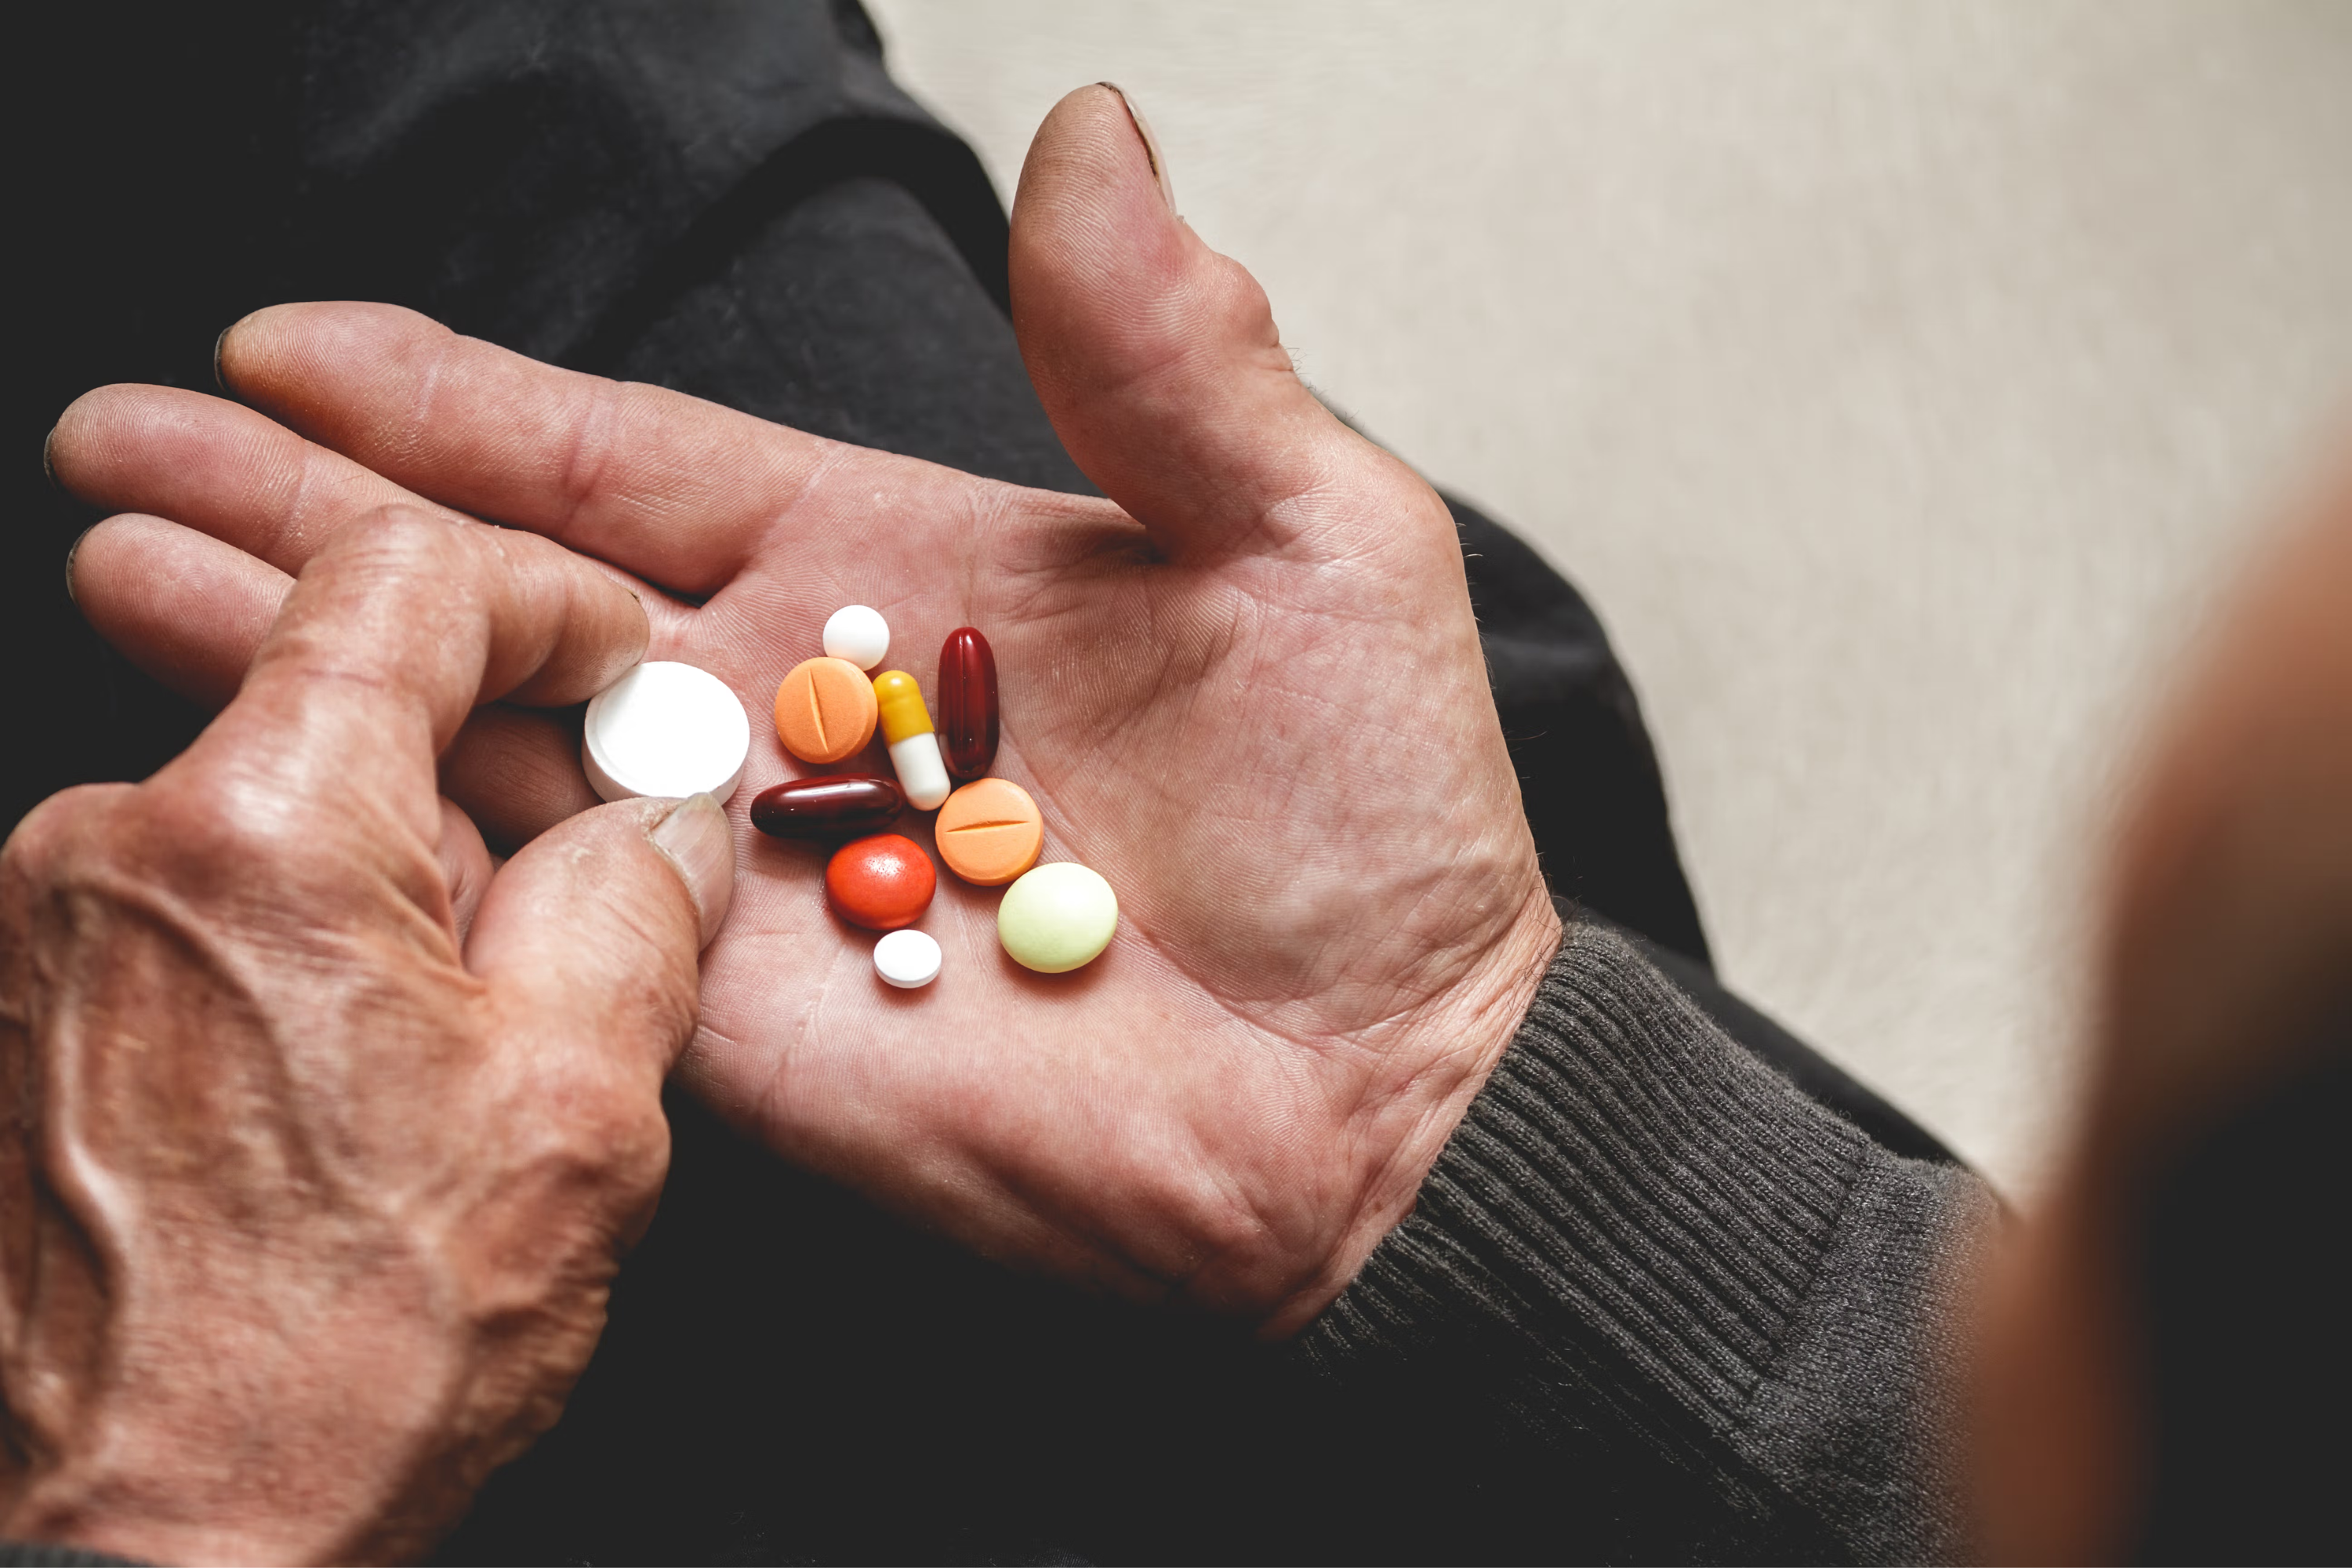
column 665, row 729
column 907, row 958
column 857, row 634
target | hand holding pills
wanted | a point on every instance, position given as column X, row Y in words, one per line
column 1245, row 691
column 289, row 1053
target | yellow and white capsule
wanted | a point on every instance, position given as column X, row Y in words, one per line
column 913, row 748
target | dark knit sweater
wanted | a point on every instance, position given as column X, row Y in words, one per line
column 1638, row 1225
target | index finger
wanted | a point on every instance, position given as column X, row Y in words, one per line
column 673, row 488
column 394, row 632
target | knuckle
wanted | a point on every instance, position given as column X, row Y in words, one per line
column 226, row 820
column 400, row 539
column 1234, row 297
column 63, row 827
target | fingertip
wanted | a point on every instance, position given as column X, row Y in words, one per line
column 263, row 357
column 219, row 380
column 73, row 552
column 86, row 565
column 1157, row 359
column 698, row 842
column 83, row 436
column 244, row 347
column 181, row 606
column 1151, row 144
column 1092, row 175
column 585, row 933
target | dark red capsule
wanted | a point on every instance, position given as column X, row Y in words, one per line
column 967, row 703
column 830, row 807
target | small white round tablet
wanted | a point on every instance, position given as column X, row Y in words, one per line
column 665, row 729
column 907, row 959
column 857, row 634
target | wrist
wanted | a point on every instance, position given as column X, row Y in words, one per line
column 222, row 1438
column 1452, row 1048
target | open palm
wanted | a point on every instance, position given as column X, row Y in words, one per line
column 1247, row 689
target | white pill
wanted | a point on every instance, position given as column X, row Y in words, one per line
column 907, row 959
column 923, row 775
column 857, row 634
column 665, row 729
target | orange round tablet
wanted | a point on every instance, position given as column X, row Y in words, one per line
column 824, row 710
column 990, row 832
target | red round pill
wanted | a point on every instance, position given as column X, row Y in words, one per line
column 881, row 883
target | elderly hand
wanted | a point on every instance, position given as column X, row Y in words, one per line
column 324, row 1135
column 1247, row 688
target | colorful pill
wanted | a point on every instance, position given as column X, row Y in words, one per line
column 988, row 832
column 841, row 807
column 1057, row 918
column 665, row 729
column 968, row 702
column 857, row 633
column 907, row 959
column 881, row 883
column 913, row 749
column 824, row 710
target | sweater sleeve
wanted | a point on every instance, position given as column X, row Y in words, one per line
column 1644, row 1243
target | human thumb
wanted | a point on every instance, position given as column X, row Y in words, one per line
column 1157, row 359
column 591, row 934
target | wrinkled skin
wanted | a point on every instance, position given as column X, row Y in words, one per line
column 324, row 1138
column 1247, row 688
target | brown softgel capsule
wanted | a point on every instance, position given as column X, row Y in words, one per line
column 966, row 723
column 833, row 807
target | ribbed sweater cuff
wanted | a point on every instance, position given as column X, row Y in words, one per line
column 1630, row 1194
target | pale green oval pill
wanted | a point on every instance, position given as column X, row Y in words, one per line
column 1056, row 918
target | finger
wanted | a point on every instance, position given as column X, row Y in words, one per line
column 394, row 632
column 591, row 934
column 211, row 465
column 184, row 607
column 465, row 866
column 191, row 612
column 227, row 472
column 1157, row 359
column 669, row 486
column 517, row 773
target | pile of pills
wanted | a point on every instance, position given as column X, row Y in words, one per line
column 988, row 832
column 669, row 729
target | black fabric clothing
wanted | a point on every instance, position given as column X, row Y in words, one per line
column 731, row 199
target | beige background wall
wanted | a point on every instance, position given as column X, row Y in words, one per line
column 1894, row 378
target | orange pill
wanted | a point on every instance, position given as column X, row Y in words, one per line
column 990, row 832
column 825, row 711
